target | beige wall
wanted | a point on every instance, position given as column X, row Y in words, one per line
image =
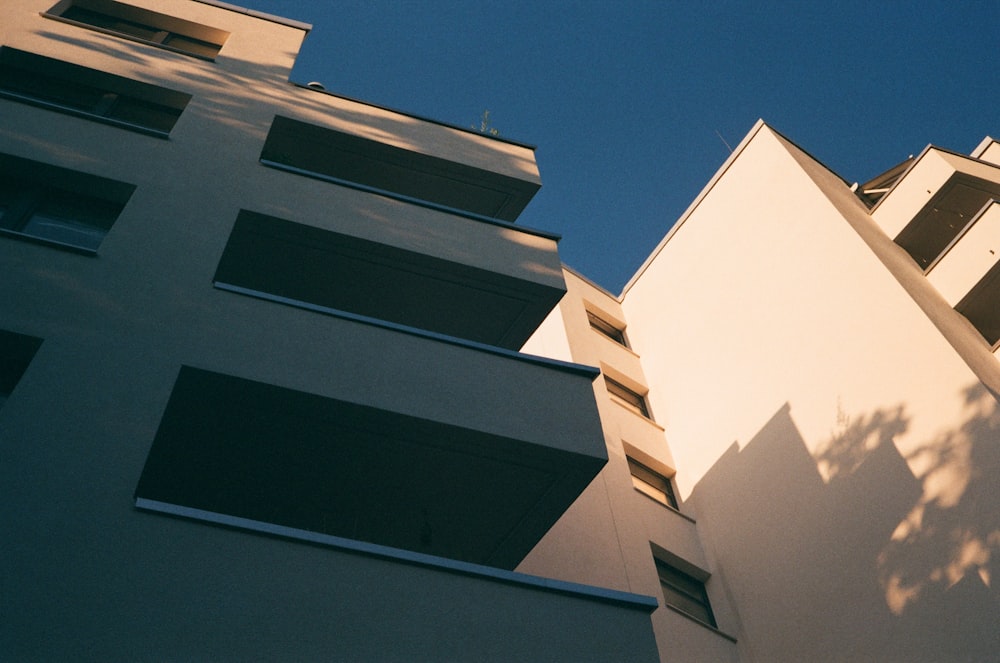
column 834, row 447
column 605, row 538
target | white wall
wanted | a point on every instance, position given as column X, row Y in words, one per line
column 832, row 444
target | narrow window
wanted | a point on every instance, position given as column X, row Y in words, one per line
column 56, row 206
column 16, row 352
column 607, row 329
column 651, row 483
column 625, row 396
column 144, row 26
column 684, row 592
column 80, row 91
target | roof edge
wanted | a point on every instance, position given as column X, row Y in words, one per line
column 257, row 14
column 758, row 125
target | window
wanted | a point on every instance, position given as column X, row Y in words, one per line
column 81, row 91
column 607, row 329
column 684, row 592
column 625, row 396
column 652, row 483
column 143, row 25
column 16, row 352
column 57, row 206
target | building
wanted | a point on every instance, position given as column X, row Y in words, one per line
column 281, row 378
column 823, row 360
column 245, row 330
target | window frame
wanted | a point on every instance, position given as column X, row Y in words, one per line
column 628, row 398
column 163, row 27
column 606, row 329
column 684, row 586
column 643, row 478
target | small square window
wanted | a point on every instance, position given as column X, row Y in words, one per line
column 607, row 329
column 625, row 396
column 684, row 592
column 652, row 483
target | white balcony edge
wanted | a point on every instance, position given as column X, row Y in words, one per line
column 569, row 367
column 454, row 211
column 587, row 592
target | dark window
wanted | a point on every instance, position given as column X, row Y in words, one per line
column 651, row 483
column 57, row 206
column 627, row 397
column 145, row 26
column 87, row 92
column 684, row 592
column 16, row 352
column 607, row 329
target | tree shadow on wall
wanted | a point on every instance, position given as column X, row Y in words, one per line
column 949, row 542
column 849, row 554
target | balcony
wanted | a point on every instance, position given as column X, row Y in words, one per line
column 463, row 294
column 395, row 171
column 934, row 200
column 968, row 272
column 403, row 440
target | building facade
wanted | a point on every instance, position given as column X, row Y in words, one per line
column 246, row 326
column 281, row 378
column 814, row 365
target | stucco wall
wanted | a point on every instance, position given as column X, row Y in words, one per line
column 834, row 447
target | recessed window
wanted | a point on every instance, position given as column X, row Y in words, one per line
column 625, row 396
column 606, row 329
column 142, row 25
column 16, row 352
column 85, row 92
column 652, row 483
column 684, row 592
column 56, row 206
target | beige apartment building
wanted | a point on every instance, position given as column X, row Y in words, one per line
column 281, row 378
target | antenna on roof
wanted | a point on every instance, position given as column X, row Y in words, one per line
column 723, row 141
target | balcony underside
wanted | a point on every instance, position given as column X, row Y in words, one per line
column 271, row 454
column 302, row 263
column 412, row 175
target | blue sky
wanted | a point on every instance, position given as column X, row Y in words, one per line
column 631, row 104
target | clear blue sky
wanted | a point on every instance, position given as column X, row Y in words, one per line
column 626, row 101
